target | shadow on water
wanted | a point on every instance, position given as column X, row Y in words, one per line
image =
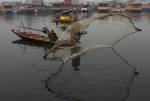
column 136, row 16
column 23, row 43
column 76, row 60
column 76, row 63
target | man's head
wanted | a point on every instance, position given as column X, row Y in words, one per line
column 44, row 29
column 52, row 30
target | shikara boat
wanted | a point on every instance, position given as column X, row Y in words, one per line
column 31, row 36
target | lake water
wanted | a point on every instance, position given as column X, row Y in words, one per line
column 104, row 74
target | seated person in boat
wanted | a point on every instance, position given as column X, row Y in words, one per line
column 51, row 35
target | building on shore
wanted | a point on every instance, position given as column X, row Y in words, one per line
column 32, row 8
column 7, row 7
column 146, row 7
column 104, row 7
column 10, row 7
column 84, row 8
column 67, row 2
column 75, row 5
column 75, row 1
column 37, row 2
column 71, row 2
column 134, row 7
column 38, row 6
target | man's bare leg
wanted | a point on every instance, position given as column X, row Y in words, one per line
column 61, row 43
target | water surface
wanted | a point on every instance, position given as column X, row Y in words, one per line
column 102, row 74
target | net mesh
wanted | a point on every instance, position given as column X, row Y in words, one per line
column 103, row 31
column 104, row 74
column 96, row 79
column 107, row 31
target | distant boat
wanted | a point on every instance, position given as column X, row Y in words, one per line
column 10, row 7
column 146, row 7
column 7, row 8
column 65, row 16
column 103, row 7
column 134, row 7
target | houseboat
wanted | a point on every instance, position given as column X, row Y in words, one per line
column 7, row 7
column 134, row 7
column 104, row 7
column 10, row 7
column 29, row 8
column 146, row 7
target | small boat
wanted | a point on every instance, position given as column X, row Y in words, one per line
column 31, row 36
column 134, row 7
column 65, row 17
column 104, row 7
column 146, row 7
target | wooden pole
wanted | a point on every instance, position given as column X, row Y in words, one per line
column 40, row 30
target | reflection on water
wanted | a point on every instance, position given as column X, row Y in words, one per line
column 76, row 60
column 135, row 16
column 24, row 43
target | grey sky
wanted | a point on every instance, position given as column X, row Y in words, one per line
column 46, row 0
column 62, row 0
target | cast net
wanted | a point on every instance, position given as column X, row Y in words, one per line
column 94, row 70
column 101, row 74
column 102, row 31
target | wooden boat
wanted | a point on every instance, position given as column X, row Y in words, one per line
column 64, row 17
column 31, row 36
column 32, row 44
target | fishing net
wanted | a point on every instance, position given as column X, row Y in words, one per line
column 95, row 71
column 90, row 78
column 105, row 30
column 102, row 30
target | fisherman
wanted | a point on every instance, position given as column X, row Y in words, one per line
column 69, row 38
